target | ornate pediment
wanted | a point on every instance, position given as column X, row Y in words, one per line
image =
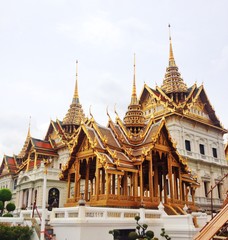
column 162, row 140
column 85, row 146
column 197, row 109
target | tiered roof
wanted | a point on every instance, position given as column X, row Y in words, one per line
column 75, row 113
column 173, row 83
column 8, row 166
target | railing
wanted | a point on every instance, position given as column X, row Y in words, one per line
column 89, row 213
column 205, row 158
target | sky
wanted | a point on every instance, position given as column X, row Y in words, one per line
column 40, row 41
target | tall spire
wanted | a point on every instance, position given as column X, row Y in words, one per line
column 134, row 95
column 134, row 118
column 171, row 56
column 75, row 113
column 76, row 96
column 173, row 83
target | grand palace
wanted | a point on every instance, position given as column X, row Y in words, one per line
column 168, row 148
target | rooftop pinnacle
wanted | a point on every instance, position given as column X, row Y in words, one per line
column 173, row 83
column 75, row 113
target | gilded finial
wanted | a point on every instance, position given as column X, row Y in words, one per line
column 90, row 112
column 134, row 96
column 29, row 133
column 76, row 96
column 171, row 57
column 115, row 110
column 108, row 113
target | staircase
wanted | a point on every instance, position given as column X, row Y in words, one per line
column 216, row 228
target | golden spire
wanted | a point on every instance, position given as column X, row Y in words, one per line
column 134, row 118
column 134, row 95
column 29, row 134
column 173, row 83
column 171, row 57
column 76, row 96
column 75, row 113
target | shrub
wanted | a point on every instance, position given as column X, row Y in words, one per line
column 10, row 207
column 8, row 215
column 6, row 195
column 1, row 205
column 15, row 233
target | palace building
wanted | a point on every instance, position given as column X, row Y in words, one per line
column 129, row 163
column 168, row 148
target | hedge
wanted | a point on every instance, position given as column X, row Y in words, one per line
column 15, row 232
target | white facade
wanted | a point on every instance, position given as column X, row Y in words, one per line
column 210, row 166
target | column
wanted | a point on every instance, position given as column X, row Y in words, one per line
column 141, row 183
column 20, row 199
column 180, row 183
column 87, row 180
column 151, row 179
column 68, row 185
column 170, row 176
column 30, row 198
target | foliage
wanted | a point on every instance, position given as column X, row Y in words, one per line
column 6, row 195
column 8, row 215
column 163, row 234
column 1, row 205
column 10, row 207
column 15, row 233
column 140, row 233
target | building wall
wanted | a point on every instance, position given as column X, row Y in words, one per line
column 208, row 168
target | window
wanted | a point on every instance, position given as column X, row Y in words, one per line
column 15, row 184
column 206, row 188
column 187, row 145
column 214, row 151
column 219, row 191
column 201, row 146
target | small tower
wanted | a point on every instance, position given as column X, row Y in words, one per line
column 173, row 85
column 75, row 113
column 134, row 119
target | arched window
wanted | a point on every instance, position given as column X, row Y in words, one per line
column 53, row 197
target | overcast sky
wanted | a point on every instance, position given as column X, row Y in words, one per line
column 40, row 41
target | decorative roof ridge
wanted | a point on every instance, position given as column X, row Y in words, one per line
column 91, row 141
column 96, row 127
column 122, row 126
column 166, row 96
column 193, row 88
column 25, row 146
column 148, row 126
column 113, row 126
column 201, row 90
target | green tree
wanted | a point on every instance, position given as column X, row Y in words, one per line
column 5, row 196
